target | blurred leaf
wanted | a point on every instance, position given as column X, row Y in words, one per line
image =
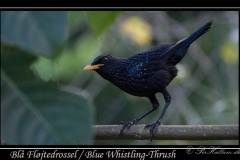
column 75, row 16
column 71, row 62
column 99, row 21
column 229, row 53
column 137, row 30
column 35, row 31
column 33, row 112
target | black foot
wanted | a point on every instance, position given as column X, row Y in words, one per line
column 152, row 128
column 126, row 125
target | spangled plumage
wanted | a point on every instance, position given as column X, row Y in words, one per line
column 146, row 73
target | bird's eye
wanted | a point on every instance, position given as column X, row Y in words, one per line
column 105, row 59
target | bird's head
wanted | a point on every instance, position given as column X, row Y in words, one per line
column 99, row 63
column 103, row 65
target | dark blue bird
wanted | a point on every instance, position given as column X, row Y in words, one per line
column 147, row 73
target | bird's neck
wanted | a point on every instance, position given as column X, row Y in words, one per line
column 115, row 71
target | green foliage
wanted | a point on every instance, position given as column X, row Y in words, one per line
column 100, row 20
column 68, row 64
column 32, row 111
column 37, row 32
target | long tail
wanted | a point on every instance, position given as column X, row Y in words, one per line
column 196, row 34
column 183, row 45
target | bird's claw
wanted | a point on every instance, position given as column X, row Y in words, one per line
column 125, row 125
column 152, row 128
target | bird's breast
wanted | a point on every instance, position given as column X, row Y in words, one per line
column 131, row 85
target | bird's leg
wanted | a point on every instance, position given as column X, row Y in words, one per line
column 153, row 126
column 155, row 105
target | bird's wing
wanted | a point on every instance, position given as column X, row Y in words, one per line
column 147, row 63
column 144, row 66
column 160, row 50
column 163, row 52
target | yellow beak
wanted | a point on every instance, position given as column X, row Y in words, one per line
column 89, row 67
